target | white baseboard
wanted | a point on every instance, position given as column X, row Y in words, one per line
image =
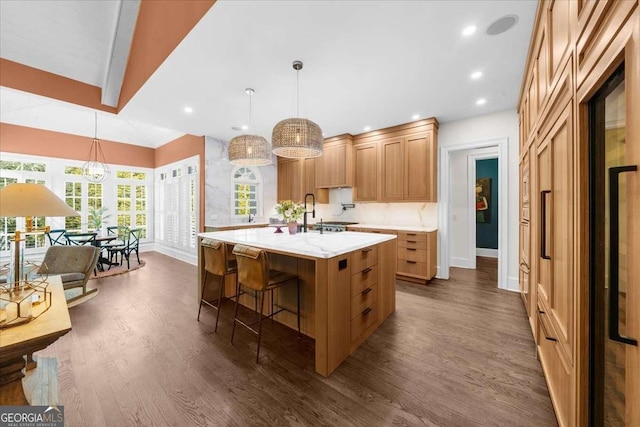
column 459, row 262
column 489, row 253
column 178, row 254
column 513, row 284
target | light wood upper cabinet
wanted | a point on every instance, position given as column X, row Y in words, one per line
column 290, row 180
column 392, row 165
column 297, row 177
column 420, row 168
column 335, row 167
column 366, row 173
column 409, row 168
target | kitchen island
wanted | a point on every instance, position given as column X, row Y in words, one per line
column 347, row 284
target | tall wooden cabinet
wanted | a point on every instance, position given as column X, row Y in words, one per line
column 577, row 49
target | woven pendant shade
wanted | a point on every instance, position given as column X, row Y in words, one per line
column 297, row 138
column 249, row 150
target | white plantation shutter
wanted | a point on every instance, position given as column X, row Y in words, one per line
column 177, row 206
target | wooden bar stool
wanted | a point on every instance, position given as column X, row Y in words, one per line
column 254, row 273
column 217, row 261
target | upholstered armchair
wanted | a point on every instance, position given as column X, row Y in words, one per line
column 74, row 264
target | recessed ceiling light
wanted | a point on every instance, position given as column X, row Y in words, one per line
column 481, row 101
column 467, row 31
column 476, row 75
column 415, row 116
column 367, row 128
column 245, row 127
column 188, row 110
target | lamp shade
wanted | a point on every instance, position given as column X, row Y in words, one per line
column 249, row 150
column 297, row 138
column 32, row 200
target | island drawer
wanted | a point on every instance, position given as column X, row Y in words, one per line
column 364, row 258
column 364, row 279
column 412, row 254
column 363, row 320
column 363, row 300
column 412, row 267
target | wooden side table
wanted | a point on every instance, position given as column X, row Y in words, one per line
column 21, row 341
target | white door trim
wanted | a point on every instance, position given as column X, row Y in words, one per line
column 444, row 207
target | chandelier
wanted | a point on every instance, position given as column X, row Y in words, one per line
column 297, row 137
column 249, row 150
column 95, row 169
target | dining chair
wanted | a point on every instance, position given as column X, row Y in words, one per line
column 130, row 244
column 57, row 237
column 80, row 239
column 255, row 273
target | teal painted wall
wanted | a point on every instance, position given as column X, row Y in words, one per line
column 487, row 233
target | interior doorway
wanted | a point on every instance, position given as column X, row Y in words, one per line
column 497, row 149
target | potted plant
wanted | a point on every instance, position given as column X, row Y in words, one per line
column 291, row 212
column 97, row 218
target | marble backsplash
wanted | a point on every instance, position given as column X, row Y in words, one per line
column 218, row 173
column 407, row 214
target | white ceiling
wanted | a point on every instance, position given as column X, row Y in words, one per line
column 366, row 63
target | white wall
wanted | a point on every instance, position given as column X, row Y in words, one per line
column 503, row 124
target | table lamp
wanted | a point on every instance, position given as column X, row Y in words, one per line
column 29, row 200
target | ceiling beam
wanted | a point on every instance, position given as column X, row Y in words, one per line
column 119, row 54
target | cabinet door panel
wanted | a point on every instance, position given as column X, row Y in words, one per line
column 366, row 173
column 392, row 168
column 418, row 167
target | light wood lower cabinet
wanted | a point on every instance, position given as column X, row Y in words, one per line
column 417, row 253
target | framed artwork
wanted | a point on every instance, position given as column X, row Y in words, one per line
column 483, row 200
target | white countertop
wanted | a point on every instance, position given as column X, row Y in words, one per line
column 311, row 244
column 396, row 227
column 238, row 224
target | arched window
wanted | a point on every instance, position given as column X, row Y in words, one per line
column 246, row 193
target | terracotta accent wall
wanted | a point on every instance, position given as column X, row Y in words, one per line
column 33, row 80
column 38, row 142
column 161, row 26
column 184, row 147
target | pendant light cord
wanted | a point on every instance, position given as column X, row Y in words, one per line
column 297, row 93
column 250, row 109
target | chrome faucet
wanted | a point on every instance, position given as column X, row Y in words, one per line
column 250, row 217
column 313, row 209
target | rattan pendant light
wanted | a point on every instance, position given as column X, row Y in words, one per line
column 249, row 150
column 297, row 137
column 96, row 169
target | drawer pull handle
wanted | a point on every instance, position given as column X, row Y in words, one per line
column 411, row 249
column 366, row 291
column 411, row 241
column 411, row 234
column 411, row 262
column 366, row 311
column 366, row 270
column 544, row 329
column 366, row 250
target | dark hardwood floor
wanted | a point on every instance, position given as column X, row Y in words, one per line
column 455, row 353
